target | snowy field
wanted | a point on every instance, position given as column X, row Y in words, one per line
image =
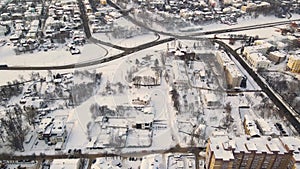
column 127, row 42
column 56, row 57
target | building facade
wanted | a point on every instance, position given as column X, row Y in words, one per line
column 258, row 61
column 233, row 75
column 277, row 56
column 245, row 152
column 294, row 63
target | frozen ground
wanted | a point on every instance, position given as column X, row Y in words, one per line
column 59, row 56
column 127, row 42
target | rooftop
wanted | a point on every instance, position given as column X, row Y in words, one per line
column 65, row 164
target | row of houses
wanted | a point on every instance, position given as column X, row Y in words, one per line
column 63, row 16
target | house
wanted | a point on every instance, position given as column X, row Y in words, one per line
column 45, row 122
column 59, row 131
column 216, row 154
column 259, row 46
column 143, row 121
column 139, row 101
column 222, row 58
column 52, row 130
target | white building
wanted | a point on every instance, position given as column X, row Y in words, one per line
column 265, row 128
column 223, row 58
column 260, row 47
column 258, row 61
column 65, row 164
column 277, row 56
column 52, row 130
column 179, row 73
column 250, row 127
column 233, row 76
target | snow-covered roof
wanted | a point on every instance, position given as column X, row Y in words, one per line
column 44, row 123
column 278, row 54
column 58, row 126
column 179, row 71
column 264, row 144
column 294, row 57
column 258, row 57
column 257, row 48
column 179, row 53
column 117, row 122
column 223, row 58
column 292, row 143
column 234, row 71
column 146, row 72
column 265, row 127
column 65, row 164
column 218, row 149
column 145, row 118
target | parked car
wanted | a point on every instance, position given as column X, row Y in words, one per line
column 74, row 50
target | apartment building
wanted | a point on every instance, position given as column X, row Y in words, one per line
column 246, row 152
column 294, row 63
column 258, row 61
column 233, row 75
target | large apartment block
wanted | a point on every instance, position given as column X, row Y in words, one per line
column 234, row 77
column 223, row 152
column 294, row 63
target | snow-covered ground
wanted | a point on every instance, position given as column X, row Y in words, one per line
column 127, row 42
column 60, row 56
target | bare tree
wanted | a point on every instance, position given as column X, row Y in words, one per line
column 228, row 118
column 13, row 126
column 30, row 113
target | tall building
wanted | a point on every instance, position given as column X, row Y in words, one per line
column 258, row 61
column 294, row 63
column 246, row 152
column 233, row 75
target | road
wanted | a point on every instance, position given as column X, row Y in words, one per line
column 91, row 62
column 126, row 51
